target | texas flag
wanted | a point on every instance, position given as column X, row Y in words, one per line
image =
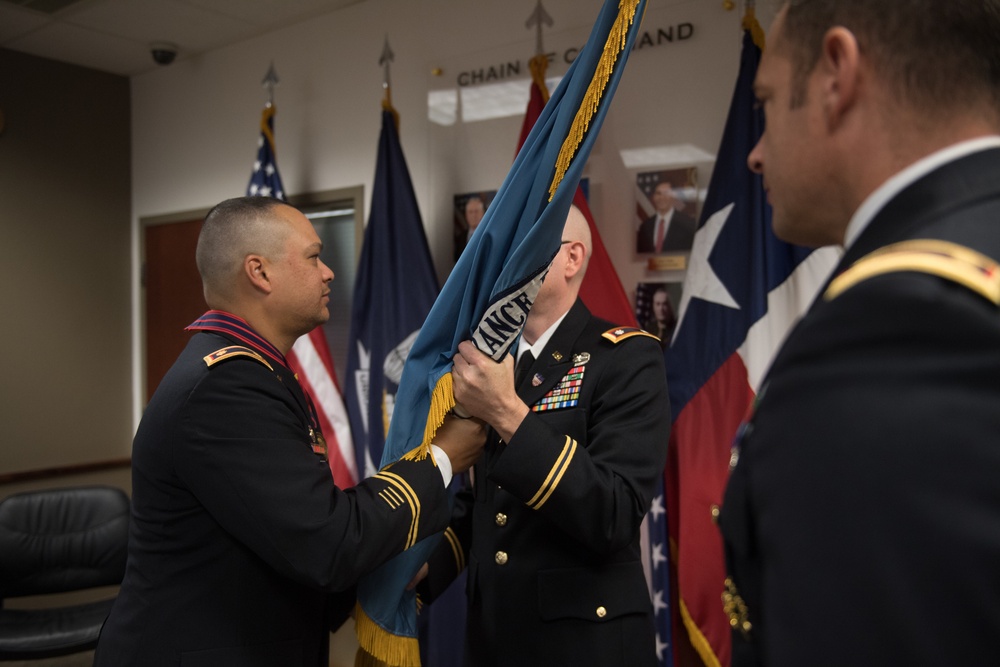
column 743, row 291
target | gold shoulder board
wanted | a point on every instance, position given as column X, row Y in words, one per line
column 951, row 261
column 234, row 351
column 618, row 334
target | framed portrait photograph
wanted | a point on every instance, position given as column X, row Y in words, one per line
column 666, row 211
column 656, row 306
column 468, row 213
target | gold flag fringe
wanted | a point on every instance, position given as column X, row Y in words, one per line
column 699, row 642
column 538, row 65
column 442, row 402
column 396, row 651
column 265, row 129
column 592, row 99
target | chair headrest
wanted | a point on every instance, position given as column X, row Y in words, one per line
column 59, row 540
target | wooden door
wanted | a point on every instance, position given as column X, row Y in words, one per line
column 173, row 295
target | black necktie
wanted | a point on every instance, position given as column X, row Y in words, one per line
column 521, row 369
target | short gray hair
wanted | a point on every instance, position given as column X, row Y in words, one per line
column 232, row 230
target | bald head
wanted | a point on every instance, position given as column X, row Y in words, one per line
column 578, row 229
column 232, row 230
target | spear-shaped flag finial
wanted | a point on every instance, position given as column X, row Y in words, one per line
column 269, row 82
column 387, row 57
column 538, row 18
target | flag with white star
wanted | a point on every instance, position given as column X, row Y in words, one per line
column 743, row 290
column 658, row 576
column 265, row 181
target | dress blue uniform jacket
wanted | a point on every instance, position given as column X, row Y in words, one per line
column 551, row 532
column 240, row 545
column 862, row 518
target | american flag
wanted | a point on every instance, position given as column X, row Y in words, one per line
column 310, row 357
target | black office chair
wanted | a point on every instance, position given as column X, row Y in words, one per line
column 56, row 541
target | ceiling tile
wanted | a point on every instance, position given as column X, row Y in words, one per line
column 269, row 12
column 15, row 21
column 146, row 21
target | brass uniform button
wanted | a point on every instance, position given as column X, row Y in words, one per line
column 501, row 519
column 501, row 558
column 715, row 514
column 601, row 612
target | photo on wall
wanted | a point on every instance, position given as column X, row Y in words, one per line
column 468, row 213
column 656, row 305
column 666, row 211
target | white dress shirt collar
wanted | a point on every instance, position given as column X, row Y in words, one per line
column 542, row 341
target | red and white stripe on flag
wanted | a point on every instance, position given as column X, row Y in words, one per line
column 310, row 359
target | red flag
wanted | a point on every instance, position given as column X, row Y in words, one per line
column 601, row 289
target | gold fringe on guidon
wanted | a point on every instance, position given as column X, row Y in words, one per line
column 442, row 401
column 592, row 99
column 372, row 639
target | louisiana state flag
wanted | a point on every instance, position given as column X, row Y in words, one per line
column 488, row 295
column 743, row 290
column 395, row 288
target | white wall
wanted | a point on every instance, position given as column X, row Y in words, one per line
column 194, row 123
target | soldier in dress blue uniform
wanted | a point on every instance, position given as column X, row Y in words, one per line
column 862, row 515
column 241, row 549
column 550, row 530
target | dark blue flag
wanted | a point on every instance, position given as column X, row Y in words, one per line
column 394, row 290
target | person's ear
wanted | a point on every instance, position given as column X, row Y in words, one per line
column 256, row 269
column 840, row 69
column 576, row 254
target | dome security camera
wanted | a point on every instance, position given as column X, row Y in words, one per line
column 163, row 53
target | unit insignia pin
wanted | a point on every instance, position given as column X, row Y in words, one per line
column 537, row 380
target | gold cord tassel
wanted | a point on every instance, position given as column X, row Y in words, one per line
column 750, row 23
column 538, row 65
